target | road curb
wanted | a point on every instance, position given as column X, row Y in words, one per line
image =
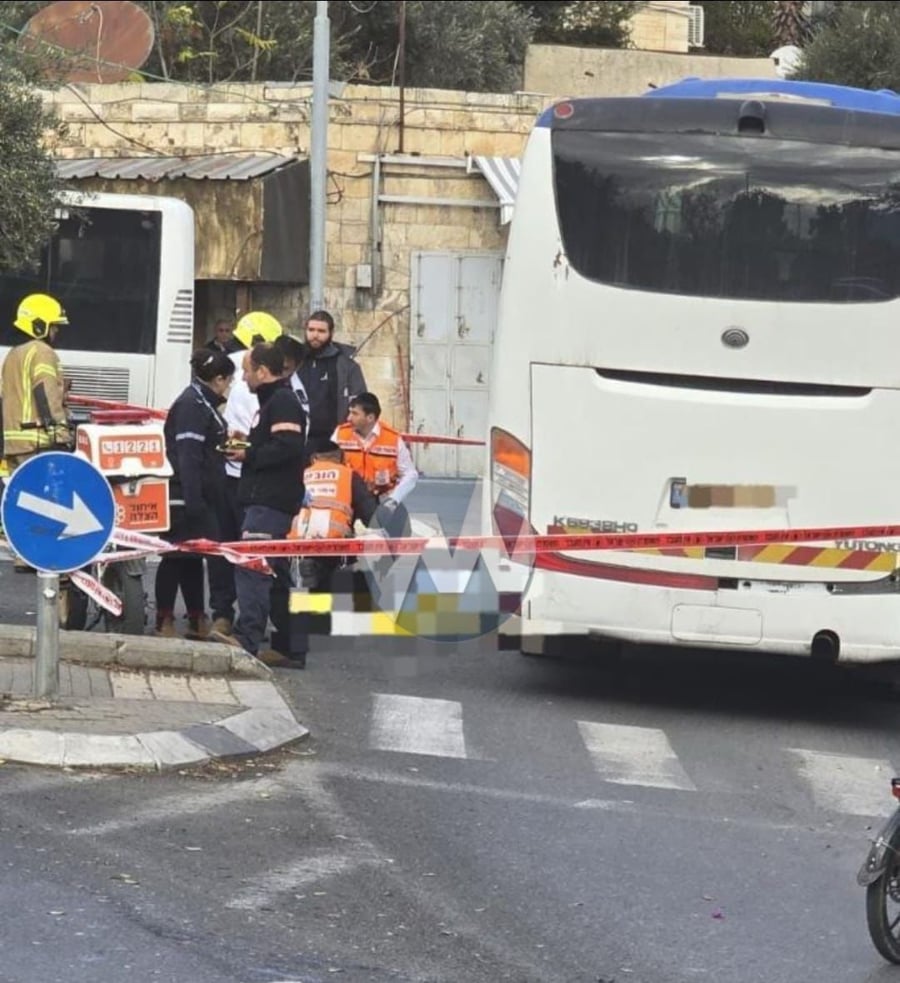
column 137, row 652
column 264, row 722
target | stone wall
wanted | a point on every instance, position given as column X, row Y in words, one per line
column 134, row 119
column 559, row 71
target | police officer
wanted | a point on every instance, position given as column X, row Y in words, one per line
column 195, row 431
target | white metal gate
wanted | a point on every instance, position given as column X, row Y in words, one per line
column 454, row 298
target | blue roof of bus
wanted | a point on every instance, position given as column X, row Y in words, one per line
column 840, row 97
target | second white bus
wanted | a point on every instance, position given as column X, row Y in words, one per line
column 123, row 268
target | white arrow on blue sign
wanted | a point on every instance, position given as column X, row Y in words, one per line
column 58, row 512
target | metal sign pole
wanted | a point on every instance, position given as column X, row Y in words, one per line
column 46, row 654
column 58, row 514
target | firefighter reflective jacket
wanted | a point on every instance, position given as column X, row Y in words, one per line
column 32, row 393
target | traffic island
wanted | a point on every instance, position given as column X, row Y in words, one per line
column 137, row 652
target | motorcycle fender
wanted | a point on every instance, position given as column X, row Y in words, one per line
column 877, row 859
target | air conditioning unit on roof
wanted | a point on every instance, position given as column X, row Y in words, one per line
column 695, row 26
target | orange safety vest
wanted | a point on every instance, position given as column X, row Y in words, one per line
column 376, row 463
column 327, row 512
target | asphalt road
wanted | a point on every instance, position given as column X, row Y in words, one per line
column 453, row 818
column 467, row 816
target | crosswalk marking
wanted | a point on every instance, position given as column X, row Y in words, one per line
column 842, row 783
column 417, row 726
column 634, row 756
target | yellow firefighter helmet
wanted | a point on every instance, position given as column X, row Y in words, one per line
column 37, row 313
column 256, row 327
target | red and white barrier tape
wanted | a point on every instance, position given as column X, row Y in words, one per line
column 97, row 592
column 424, row 438
column 127, row 409
column 247, row 552
column 106, row 404
column 140, row 544
column 252, row 554
column 530, row 545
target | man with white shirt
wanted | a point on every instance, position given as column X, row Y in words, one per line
column 378, row 453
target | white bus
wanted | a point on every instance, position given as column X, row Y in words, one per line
column 123, row 268
column 699, row 329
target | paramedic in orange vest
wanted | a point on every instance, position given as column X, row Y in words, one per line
column 335, row 498
column 380, row 456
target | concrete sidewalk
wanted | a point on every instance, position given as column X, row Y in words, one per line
column 138, row 702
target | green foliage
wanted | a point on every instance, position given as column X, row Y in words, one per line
column 454, row 44
column 230, row 42
column 742, row 28
column 858, row 45
column 28, row 180
column 603, row 24
column 451, row 44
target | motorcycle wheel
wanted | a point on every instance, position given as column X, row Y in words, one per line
column 883, row 906
column 129, row 588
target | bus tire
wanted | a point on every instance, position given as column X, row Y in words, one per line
column 129, row 588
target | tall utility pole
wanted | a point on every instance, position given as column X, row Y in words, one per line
column 318, row 157
column 401, row 65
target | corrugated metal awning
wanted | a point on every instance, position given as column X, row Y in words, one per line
column 203, row 167
column 502, row 175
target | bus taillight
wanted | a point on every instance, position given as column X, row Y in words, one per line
column 510, row 483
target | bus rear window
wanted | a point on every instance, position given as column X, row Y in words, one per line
column 103, row 266
column 730, row 217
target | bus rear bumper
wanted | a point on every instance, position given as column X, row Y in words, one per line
column 790, row 619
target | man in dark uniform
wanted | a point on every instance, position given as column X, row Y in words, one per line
column 270, row 492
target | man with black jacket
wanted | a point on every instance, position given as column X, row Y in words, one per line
column 331, row 376
column 270, row 492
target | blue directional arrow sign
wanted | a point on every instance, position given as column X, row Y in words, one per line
column 58, row 512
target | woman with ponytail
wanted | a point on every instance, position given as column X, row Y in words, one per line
column 195, row 433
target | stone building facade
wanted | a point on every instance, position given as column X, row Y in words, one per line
column 402, row 184
column 415, row 224
column 661, row 26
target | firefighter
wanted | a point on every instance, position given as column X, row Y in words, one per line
column 32, row 387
